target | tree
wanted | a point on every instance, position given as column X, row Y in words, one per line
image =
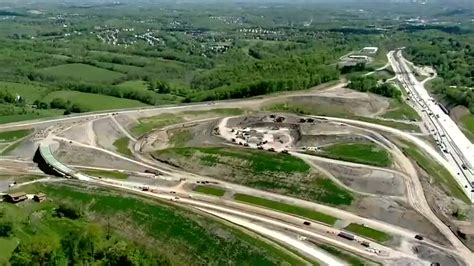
column 6, row 229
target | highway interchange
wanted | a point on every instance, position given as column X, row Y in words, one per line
column 283, row 228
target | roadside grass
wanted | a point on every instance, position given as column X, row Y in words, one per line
column 29, row 92
column 401, row 111
column 197, row 239
column 350, row 258
column 81, row 72
column 276, row 172
column 106, row 174
column 10, row 136
column 286, row 208
column 36, row 114
column 218, row 192
column 121, row 145
column 336, row 111
column 440, row 175
column 363, row 153
column 93, row 102
column 368, row 232
column 467, row 124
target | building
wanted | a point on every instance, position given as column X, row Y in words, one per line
column 40, row 197
column 16, row 197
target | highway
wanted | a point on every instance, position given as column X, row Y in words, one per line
column 455, row 148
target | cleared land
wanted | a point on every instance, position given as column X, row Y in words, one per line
column 106, row 174
column 286, row 208
column 10, row 136
column 363, row 153
column 276, row 172
column 218, row 192
column 401, row 111
column 121, row 145
column 94, row 102
column 368, row 232
column 146, row 224
column 81, row 72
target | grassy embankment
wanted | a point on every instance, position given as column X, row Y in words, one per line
column 363, row 153
column 401, row 111
column 11, row 136
column 106, row 174
column 136, row 222
column 467, row 125
column 274, row 172
column 121, row 145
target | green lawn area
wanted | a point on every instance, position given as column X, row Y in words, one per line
column 363, row 153
column 368, row 232
column 94, row 102
column 81, row 72
column 106, row 174
column 401, row 111
column 186, row 238
column 7, row 245
column 121, row 145
column 286, row 208
column 467, row 124
column 30, row 92
column 440, row 174
column 10, row 136
column 214, row 191
column 276, row 172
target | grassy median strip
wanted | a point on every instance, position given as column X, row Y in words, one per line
column 106, row 174
column 368, row 232
column 286, row 208
column 210, row 191
column 350, row 258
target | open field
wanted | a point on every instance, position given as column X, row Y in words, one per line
column 218, row 192
column 30, row 92
column 275, row 172
column 94, row 102
column 36, row 114
column 145, row 224
column 81, row 72
column 10, row 136
column 368, row 232
column 286, row 208
column 358, row 153
column 106, row 174
column 121, row 145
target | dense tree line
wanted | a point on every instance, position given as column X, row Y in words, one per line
column 370, row 84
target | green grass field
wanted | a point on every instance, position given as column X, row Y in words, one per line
column 94, row 102
column 81, row 72
column 134, row 84
column 214, row 191
column 363, row 153
column 368, row 232
column 401, row 111
column 30, row 92
column 7, row 245
column 121, row 145
column 440, row 174
column 10, row 136
column 106, row 174
column 37, row 114
column 286, row 208
column 183, row 237
column 467, row 124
